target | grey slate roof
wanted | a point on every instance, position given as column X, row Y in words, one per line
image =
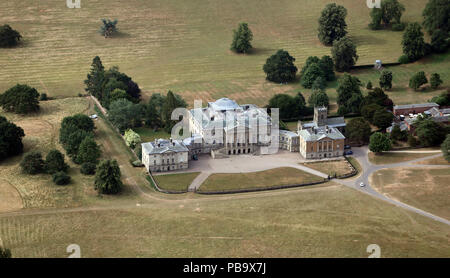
column 163, row 146
column 420, row 105
column 288, row 133
column 310, row 135
column 331, row 122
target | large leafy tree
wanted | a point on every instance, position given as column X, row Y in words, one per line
column 73, row 131
column 10, row 139
column 242, row 38
column 310, row 75
column 108, row 28
column 377, row 96
column 280, row 67
column 132, row 138
column 327, row 65
column 88, row 151
column 435, row 80
column 382, row 119
column 368, row 111
column 358, row 130
column 391, row 10
column 443, row 99
column 124, row 114
column 436, row 16
column 413, row 42
column 332, row 24
column 349, row 94
column 445, row 147
column 286, row 104
column 429, row 132
column 418, row 80
column 107, row 177
column 95, row 78
column 32, row 163
column 20, row 99
column 440, row 41
column 386, row 79
column 318, row 98
column 379, row 142
column 344, row 54
column 8, row 36
column 54, row 162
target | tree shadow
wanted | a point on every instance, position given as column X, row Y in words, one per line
column 261, row 51
column 366, row 39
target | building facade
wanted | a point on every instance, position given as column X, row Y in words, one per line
column 165, row 155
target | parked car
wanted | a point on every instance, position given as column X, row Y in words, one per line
column 346, row 147
column 348, row 152
column 362, row 184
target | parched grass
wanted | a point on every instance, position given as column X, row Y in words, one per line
column 389, row 158
column 176, row 182
column 184, row 46
column 331, row 168
column 263, row 179
column 149, row 135
column 427, row 189
column 332, row 221
column 435, row 161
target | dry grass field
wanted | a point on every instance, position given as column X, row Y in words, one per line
column 184, row 46
column 332, row 221
column 268, row 178
column 338, row 167
column 427, row 189
column 389, row 158
column 435, row 161
column 177, row 182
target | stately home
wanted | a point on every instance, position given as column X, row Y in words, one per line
column 323, row 137
column 225, row 128
column 164, row 155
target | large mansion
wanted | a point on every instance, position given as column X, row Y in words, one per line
column 225, row 128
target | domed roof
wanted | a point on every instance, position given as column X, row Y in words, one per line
column 224, row 104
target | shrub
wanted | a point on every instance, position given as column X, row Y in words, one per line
column 418, row 80
column 54, row 162
column 435, row 80
column 398, row 26
column 369, row 85
column 8, row 36
column 10, row 139
column 43, row 97
column 137, row 163
column 88, row 168
column 107, row 177
column 403, row 59
column 32, row 163
column 280, row 67
column 61, row 178
column 412, row 141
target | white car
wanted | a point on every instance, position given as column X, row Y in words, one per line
column 362, row 184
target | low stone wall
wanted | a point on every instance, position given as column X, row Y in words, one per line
column 354, row 172
column 259, row 189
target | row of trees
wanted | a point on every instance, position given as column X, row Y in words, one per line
column 110, row 85
column 54, row 164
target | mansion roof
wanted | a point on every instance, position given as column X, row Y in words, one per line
column 319, row 133
column 164, row 146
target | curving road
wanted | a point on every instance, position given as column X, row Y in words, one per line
column 361, row 154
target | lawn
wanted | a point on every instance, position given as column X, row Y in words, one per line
column 149, row 135
column 175, row 182
column 332, row 221
column 435, row 161
column 338, row 167
column 268, row 178
column 184, row 46
column 427, row 189
column 389, row 158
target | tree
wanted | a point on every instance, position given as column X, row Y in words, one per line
column 358, row 130
column 10, row 139
column 124, row 114
column 78, row 121
column 377, row 96
column 111, row 85
column 398, row 134
column 386, row 80
column 443, row 99
column 368, row 111
column 318, row 99
column 170, row 104
column 391, row 10
column 32, row 163
column 435, row 81
column 5, row 253
column 430, row 133
column 382, row 119
column 286, row 104
column 8, row 36
column 376, row 16
column 319, row 84
column 369, row 85
column 95, row 78
column 132, row 138
column 344, row 54
column 88, row 151
column 88, row 168
column 61, row 178
column 118, row 94
column 413, row 42
column 107, row 177
column 108, row 28
column 436, row 14
column 379, row 142
column 332, row 24
column 326, row 64
column 445, row 147
column 440, row 41
column 20, row 99
column 54, row 162
column 280, row 67
column 310, row 75
column 349, row 94
column 242, row 38
column 418, row 80
column 412, row 141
